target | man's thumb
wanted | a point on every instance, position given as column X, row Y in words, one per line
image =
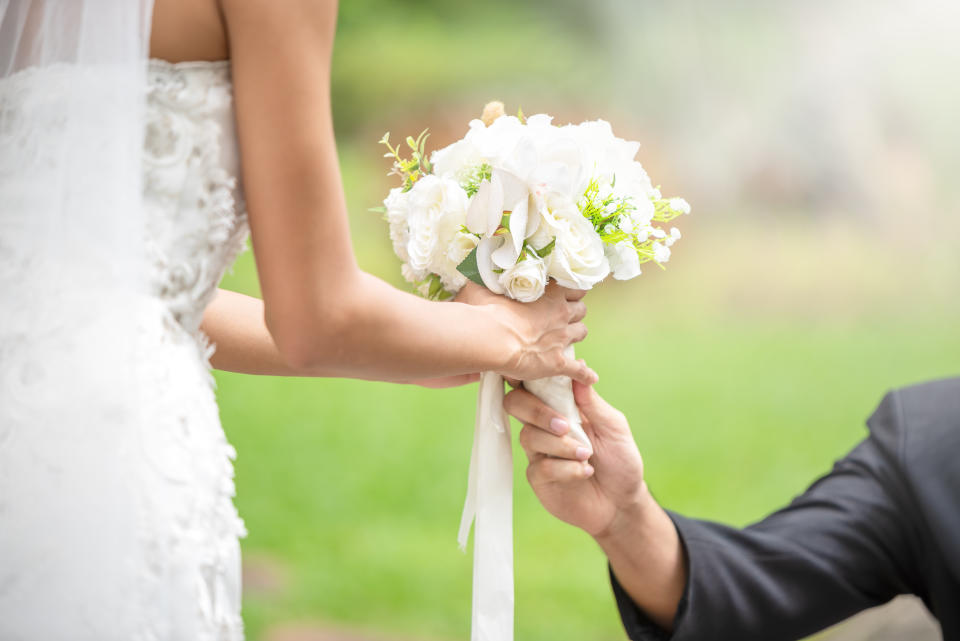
column 594, row 408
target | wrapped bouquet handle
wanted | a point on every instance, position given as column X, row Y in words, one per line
column 557, row 392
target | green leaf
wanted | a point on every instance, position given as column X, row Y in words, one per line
column 469, row 268
column 378, row 210
column 435, row 287
column 545, row 251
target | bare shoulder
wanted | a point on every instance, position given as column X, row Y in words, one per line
column 188, row 30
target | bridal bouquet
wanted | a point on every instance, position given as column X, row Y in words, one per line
column 516, row 202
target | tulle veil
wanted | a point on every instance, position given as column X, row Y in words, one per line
column 72, row 92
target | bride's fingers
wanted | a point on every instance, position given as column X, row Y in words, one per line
column 557, row 470
column 528, row 409
column 576, row 332
column 573, row 294
column 578, row 371
column 536, row 441
column 578, row 310
column 554, row 291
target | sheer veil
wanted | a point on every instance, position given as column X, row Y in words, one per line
column 72, row 91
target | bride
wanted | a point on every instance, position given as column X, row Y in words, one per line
column 127, row 186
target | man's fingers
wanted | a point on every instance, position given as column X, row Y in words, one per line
column 532, row 455
column 528, row 409
column 536, row 441
column 557, row 470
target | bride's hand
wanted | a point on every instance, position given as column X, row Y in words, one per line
column 542, row 332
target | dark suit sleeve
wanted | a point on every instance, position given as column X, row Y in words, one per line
column 841, row 547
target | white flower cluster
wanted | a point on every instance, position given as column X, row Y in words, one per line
column 529, row 201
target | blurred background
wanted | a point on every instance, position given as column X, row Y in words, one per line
column 817, row 144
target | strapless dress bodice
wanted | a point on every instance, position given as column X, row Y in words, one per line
column 195, row 218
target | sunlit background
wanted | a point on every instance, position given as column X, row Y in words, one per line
column 818, row 144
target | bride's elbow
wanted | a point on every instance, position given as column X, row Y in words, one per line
column 311, row 344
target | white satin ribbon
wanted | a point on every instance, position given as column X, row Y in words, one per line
column 489, row 501
column 489, row 505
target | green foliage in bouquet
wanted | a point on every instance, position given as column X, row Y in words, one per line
column 412, row 168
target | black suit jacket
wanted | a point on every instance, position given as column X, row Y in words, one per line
column 885, row 521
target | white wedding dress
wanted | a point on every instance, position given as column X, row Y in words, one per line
column 133, row 536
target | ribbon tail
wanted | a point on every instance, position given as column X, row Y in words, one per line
column 470, row 503
column 489, row 505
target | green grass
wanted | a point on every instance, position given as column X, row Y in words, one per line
column 355, row 488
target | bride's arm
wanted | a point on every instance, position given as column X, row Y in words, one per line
column 244, row 344
column 325, row 315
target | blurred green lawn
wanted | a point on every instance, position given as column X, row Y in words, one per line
column 737, row 402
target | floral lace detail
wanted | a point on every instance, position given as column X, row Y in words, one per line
column 195, row 226
column 196, row 221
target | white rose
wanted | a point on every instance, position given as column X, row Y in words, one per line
column 495, row 142
column 445, row 265
column 578, row 260
column 438, row 208
column 451, row 279
column 604, row 153
column 411, row 275
column 526, row 280
column 461, row 246
column 398, row 209
column 624, row 260
column 453, row 160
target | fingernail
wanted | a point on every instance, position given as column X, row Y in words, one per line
column 587, row 469
column 559, row 426
column 583, row 453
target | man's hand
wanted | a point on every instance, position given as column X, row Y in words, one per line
column 603, row 493
column 589, row 494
